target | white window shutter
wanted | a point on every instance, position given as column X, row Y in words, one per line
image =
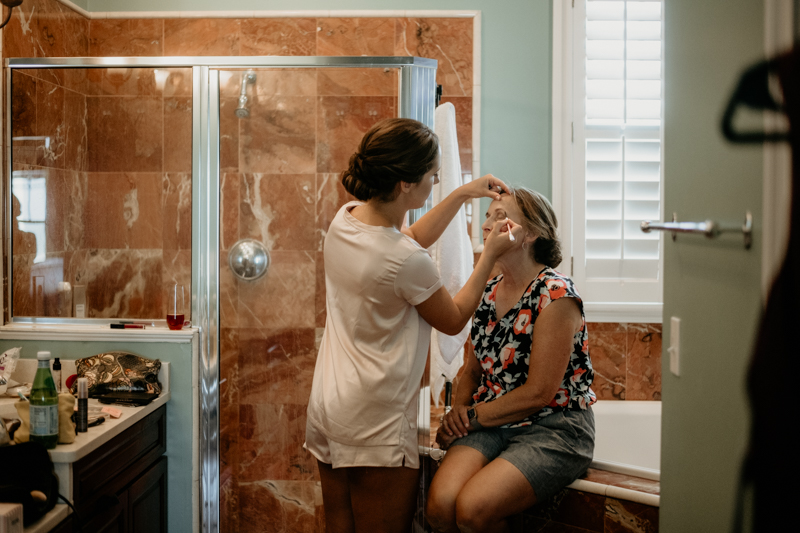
column 617, row 150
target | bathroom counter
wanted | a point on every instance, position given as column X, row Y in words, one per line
column 63, row 455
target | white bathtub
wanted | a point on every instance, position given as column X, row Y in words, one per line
column 628, row 437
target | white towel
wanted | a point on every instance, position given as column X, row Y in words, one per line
column 452, row 253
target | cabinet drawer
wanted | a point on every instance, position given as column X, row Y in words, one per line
column 147, row 501
column 116, row 463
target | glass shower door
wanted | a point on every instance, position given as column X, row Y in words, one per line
column 282, row 148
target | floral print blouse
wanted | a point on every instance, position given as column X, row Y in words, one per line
column 503, row 346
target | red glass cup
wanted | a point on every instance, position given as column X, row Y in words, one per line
column 175, row 313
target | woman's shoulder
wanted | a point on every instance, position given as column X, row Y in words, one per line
column 555, row 284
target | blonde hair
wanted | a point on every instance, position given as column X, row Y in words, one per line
column 539, row 218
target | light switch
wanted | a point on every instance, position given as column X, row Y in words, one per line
column 674, row 345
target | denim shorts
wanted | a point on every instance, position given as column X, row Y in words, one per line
column 551, row 453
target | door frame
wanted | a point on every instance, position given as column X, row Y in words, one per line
column 780, row 29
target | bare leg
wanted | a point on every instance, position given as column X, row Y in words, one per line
column 496, row 492
column 458, row 466
column 383, row 499
column 336, row 499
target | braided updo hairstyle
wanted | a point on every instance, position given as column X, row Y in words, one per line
column 393, row 150
column 540, row 220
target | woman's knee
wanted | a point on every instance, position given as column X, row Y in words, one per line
column 441, row 511
column 473, row 514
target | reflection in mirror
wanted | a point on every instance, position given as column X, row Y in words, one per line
column 100, row 191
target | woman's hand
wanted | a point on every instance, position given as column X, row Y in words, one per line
column 498, row 241
column 443, row 439
column 455, row 423
column 488, row 186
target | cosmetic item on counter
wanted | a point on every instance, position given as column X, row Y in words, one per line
column 127, row 326
column 82, row 419
column 57, row 374
column 66, row 420
column 79, row 301
column 8, row 362
column 113, row 412
column 44, row 404
column 128, row 398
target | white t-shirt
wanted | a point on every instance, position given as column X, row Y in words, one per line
column 372, row 354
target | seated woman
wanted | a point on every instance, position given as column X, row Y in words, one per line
column 521, row 427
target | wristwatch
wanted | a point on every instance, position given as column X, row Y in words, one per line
column 472, row 414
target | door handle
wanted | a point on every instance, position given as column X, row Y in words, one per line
column 709, row 228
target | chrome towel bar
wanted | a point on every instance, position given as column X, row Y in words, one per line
column 709, row 228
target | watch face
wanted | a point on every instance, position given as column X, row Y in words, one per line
column 471, row 413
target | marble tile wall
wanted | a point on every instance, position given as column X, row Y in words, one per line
column 626, row 360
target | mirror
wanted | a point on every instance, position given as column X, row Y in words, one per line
column 100, row 191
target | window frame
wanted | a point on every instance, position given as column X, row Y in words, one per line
column 568, row 179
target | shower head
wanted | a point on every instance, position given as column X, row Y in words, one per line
column 241, row 109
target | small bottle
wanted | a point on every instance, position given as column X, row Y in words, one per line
column 44, row 404
column 82, row 419
column 57, row 374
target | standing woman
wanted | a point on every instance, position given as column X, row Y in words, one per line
column 383, row 295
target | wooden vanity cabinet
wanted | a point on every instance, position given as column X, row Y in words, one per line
column 122, row 486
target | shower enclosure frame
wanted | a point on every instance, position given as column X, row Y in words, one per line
column 416, row 99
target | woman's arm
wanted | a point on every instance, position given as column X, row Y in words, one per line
column 430, row 227
column 450, row 314
column 550, row 353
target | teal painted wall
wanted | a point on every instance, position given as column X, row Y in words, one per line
column 516, row 56
column 179, row 409
column 712, row 286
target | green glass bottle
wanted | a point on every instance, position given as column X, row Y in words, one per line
column 44, row 404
